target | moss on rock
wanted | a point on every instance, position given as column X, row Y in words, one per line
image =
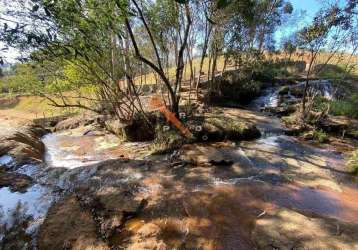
column 220, row 127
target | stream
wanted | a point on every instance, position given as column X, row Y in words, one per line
column 291, row 173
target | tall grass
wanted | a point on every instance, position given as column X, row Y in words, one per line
column 347, row 107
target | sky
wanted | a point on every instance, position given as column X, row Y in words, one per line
column 309, row 6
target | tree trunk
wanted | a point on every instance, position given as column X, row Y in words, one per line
column 208, row 29
column 306, row 86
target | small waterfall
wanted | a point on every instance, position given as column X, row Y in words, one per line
column 324, row 88
column 268, row 98
column 272, row 98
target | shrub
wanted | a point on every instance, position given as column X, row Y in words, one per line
column 353, row 162
column 320, row 103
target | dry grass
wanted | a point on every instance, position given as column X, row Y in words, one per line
column 151, row 78
column 339, row 60
column 32, row 107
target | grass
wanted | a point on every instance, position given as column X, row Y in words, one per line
column 347, row 107
column 171, row 72
column 36, row 107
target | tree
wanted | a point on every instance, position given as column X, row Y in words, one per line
column 329, row 30
column 103, row 40
column 289, row 47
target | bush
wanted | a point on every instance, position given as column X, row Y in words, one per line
column 347, row 107
column 353, row 162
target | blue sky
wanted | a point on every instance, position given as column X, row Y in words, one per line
column 310, row 8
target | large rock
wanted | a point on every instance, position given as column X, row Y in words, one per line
column 110, row 207
column 52, row 121
column 220, row 127
column 138, row 130
column 281, row 110
column 341, row 125
column 77, row 121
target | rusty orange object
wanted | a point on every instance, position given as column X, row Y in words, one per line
column 156, row 103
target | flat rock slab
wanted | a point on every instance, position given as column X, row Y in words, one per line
column 68, row 226
column 287, row 229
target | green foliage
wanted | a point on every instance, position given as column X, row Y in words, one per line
column 289, row 47
column 347, row 107
column 320, row 136
column 331, row 71
column 223, row 3
column 352, row 162
column 24, row 78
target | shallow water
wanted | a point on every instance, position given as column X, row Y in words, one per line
column 67, row 156
column 33, row 203
column 72, row 149
column 5, row 160
column 268, row 98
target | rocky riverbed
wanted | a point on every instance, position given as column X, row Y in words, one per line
column 85, row 189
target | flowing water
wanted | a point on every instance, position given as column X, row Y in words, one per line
column 271, row 98
column 285, row 173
